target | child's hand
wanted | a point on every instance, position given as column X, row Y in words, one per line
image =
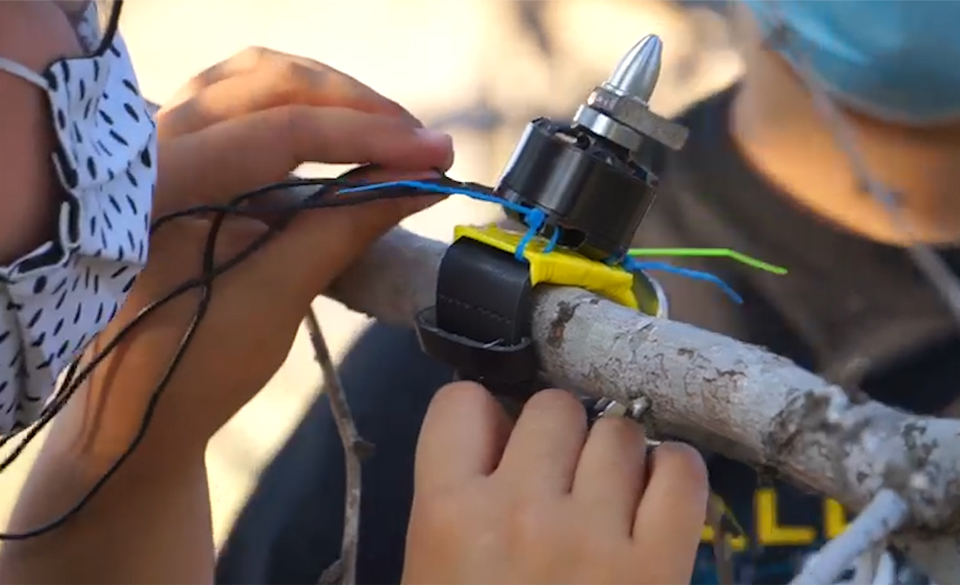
column 547, row 501
column 252, row 119
column 244, row 123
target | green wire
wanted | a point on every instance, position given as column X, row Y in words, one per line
column 708, row 252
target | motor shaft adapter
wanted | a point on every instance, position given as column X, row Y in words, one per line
column 589, row 177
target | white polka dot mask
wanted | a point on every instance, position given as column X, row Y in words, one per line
column 58, row 297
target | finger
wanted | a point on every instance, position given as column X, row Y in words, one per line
column 265, row 146
column 541, row 456
column 342, row 233
column 288, row 82
column 320, row 244
column 300, row 76
column 672, row 510
column 462, row 437
column 610, row 476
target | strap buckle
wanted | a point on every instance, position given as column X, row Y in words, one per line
column 501, row 367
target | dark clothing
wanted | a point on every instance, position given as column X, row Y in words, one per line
column 291, row 528
column 849, row 308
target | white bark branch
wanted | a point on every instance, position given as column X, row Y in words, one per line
column 736, row 399
column 867, row 534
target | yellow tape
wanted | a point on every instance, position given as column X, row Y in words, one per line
column 560, row 267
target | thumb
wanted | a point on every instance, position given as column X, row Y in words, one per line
column 320, row 244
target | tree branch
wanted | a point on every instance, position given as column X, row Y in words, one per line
column 733, row 398
column 355, row 450
column 866, row 535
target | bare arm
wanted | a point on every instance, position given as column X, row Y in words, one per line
column 149, row 524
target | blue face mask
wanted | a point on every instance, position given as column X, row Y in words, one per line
column 896, row 60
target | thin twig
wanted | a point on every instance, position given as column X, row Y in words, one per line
column 886, row 513
column 332, row 575
column 355, row 449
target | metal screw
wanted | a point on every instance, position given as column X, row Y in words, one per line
column 611, row 408
column 639, row 408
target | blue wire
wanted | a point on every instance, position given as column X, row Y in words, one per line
column 553, row 240
column 535, row 218
column 632, row 265
column 432, row 188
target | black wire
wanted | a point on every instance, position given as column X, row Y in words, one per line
column 111, row 30
column 323, row 197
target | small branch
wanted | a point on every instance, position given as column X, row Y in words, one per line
column 332, row 575
column 886, row 513
column 355, row 449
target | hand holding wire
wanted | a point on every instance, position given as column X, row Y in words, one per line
column 245, row 123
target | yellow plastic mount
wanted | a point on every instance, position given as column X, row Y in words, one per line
column 560, row 267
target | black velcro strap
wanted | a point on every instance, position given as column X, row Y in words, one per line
column 481, row 322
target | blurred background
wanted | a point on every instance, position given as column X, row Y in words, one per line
column 480, row 69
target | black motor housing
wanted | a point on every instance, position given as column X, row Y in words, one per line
column 587, row 185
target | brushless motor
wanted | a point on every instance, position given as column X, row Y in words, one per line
column 590, row 176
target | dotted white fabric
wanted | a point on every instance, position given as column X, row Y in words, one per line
column 56, row 299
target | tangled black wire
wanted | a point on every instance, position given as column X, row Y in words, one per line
column 325, row 196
